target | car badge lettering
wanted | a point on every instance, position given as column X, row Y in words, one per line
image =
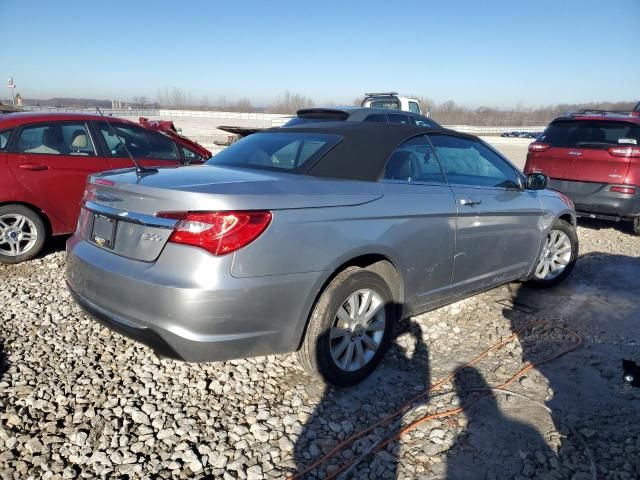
column 152, row 237
column 573, row 152
column 106, row 197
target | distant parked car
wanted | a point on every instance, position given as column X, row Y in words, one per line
column 44, row 162
column 393, row 101
column 359, row 114
column 593, row 157
column 316, row 238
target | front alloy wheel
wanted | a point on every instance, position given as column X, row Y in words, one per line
column 558, row 256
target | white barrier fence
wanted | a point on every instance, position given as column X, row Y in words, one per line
column 260, row 119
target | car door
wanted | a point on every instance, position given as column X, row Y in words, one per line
column 52, row 160
column 148, row 147
column 497, row 225
column 423, row 206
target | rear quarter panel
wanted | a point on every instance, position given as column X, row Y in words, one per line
column 415, row 232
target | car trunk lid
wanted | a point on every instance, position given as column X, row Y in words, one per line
column 120, row 207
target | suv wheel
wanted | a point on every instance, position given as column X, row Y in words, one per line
column 22, row 234
column 635, row 226
column 350, row 328
column 558, row 256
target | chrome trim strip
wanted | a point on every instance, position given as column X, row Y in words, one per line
column 131, row 217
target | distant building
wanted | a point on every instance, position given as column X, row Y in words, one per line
column 18, row 100
column 119, row 105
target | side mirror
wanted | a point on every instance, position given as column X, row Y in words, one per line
column 537, row 181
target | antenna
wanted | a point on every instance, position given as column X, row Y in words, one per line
column 140, row 170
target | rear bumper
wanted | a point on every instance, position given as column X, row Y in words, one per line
column 597, row 200
column 187, row 305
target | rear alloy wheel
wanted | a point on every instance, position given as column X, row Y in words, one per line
column 22, row 234
column 349, row 329
column 558, row 255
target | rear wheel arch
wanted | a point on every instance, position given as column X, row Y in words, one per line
column 374, row 262
column 37, row 210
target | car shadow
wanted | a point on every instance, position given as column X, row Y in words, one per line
column 599, row 302
column 54, row 245
column 403, row 374
column 597, row 224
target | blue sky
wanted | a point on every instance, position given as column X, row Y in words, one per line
column 497, row 52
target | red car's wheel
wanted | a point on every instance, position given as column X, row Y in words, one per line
column 22, row 234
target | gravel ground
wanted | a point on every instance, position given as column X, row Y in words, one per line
column 79, row 401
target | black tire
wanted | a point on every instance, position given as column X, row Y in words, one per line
column 635, row 226
column 315, row 354
column 40, row 229
column 570, row 231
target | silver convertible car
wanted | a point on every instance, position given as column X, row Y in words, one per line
column 314, row 239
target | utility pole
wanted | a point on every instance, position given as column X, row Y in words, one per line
column 12, row 86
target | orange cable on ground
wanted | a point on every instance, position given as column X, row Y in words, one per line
column 434, row 386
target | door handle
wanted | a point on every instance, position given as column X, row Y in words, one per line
column 33, row 166
column 469, row 202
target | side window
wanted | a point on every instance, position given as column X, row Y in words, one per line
column 189, row 156
column 140, row 142
column 377, row 118
column 414, row 107
column 4, row 139
column 56, row 139
column 468, row 162
column 398, row 118
column 414, row 161
column 423, row 121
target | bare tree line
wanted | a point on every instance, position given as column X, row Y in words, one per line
column 447, row 113
column 451, row 113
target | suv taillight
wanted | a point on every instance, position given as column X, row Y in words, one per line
column 625, row 190
column 625, row 151
column 218, row 232
column 538, row 147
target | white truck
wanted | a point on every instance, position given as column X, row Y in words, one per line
column 394, row 101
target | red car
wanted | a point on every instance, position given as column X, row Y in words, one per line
column 46, row 157
column 593, row 157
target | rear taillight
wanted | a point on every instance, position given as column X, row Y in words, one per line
column 218, row 232
column 627, row 190
column 538, row 147
column 625, row 151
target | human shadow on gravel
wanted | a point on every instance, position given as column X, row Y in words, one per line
column 4, row 363
column 598, row 301
column 341, row 413
column 494, row 446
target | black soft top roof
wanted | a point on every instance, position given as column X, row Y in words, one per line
column 365, row 147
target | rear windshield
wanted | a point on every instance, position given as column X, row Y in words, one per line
column 293, row 152
column 590, row 134
column 390, row 104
